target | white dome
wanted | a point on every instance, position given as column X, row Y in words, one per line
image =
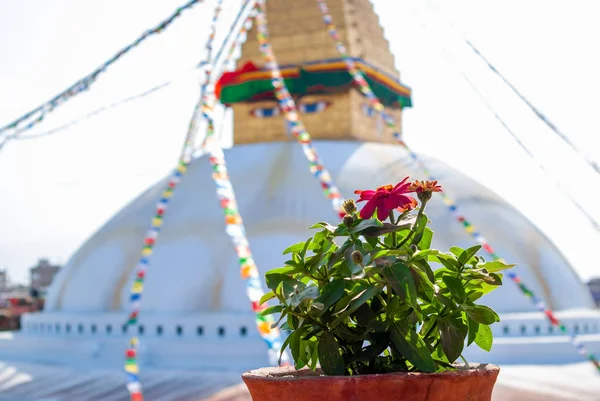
column 194, row 268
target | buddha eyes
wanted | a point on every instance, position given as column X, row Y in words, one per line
column 370, row 112
column 303, row 108
column 314, row 107
column 265, row 112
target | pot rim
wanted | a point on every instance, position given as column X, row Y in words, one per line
column 287, row 373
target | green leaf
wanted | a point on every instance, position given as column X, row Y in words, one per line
column 363, row 225
column 420, row 255
column 330, row 356
column 296, row 248
column 484, row 338
column 425, row 242
column 385, row 229
column 456, row 251
column 307, row 348
column 285, row 344
column 412, row 347
column 269, row 295
column 287, row 270
column 486, row 288
column 448, row 261
column 466, row 256
column 370, row 352
column 473, row 329
column 456, row 288
column 474, row 295
column 331, row 293
column 496, row 280
column 381, row 253
column 364, row 315
column 422, row 283
column 289, row 284
column 293, row 321
column 399, row 276
column 452, row 335
column 419, row 230
column 337, row 255
column 320, row 238
column 424, row 266
column 495, row 267
column 295, row 341
column 341, row 231
column 447, row 302
column 312, row 333
column 314, row 357
column 311, row 292
column 308, row 245
column 325, row 225
column 481, row 314
column 355, row 303
column 271, row 310
column 281, row 317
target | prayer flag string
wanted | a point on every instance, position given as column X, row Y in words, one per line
column 290, row 111
column 35, row 116
column 131, row 364
column 234, row 227
column 364, row 87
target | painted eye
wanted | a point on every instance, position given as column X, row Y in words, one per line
column 368, row 110
column 265, row 112
column 389, row 119
column 313, row 107
column 371, row 112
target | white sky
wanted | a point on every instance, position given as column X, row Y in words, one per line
column 57, row 191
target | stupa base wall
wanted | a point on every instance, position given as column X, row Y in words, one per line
column 231, row 341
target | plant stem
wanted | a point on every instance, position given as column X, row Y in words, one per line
column 394, row 238
column 382, row 244
column 414, row 227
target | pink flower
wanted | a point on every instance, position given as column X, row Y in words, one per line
column 385, row 199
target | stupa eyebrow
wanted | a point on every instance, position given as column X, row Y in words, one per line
column 251, row 82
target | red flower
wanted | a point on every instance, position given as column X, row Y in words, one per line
column 424, row 186
column 385, row 199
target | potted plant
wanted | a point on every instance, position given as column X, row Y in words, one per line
column 369, row 316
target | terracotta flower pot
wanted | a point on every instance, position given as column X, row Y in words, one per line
column 285, row 383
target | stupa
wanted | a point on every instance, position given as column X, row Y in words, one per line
column 195, row 315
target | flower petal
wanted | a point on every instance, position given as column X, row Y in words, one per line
column 401, row 186
column 365, row 195
column 384, row 207
column 412, row 203
column 368, row 210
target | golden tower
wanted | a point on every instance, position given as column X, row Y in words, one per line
column 299, row 36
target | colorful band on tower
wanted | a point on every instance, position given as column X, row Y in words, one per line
column 364, row 87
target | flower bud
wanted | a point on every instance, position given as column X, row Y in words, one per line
column 349, row 206
column 424, row 196
column 357, row 258
column 348, row 220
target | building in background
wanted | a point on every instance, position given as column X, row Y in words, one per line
column 41, row 275
column 3, row 280
column 594, row 286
